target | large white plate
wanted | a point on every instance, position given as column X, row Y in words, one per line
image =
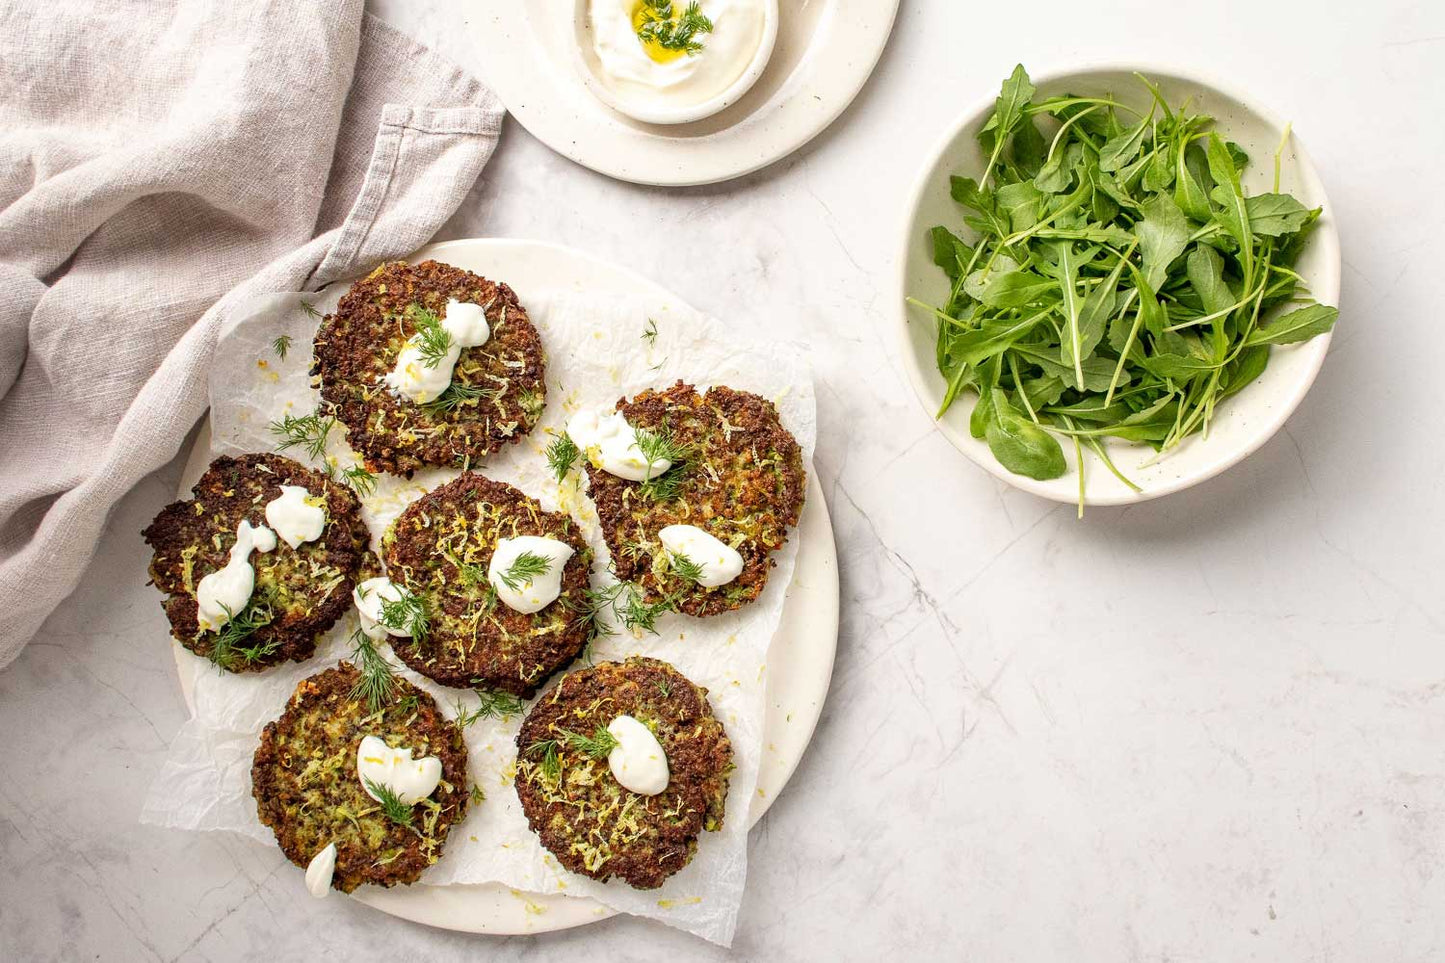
column 800, row 661
column 825, row 51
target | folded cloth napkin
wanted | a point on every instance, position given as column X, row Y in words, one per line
column 160, row 164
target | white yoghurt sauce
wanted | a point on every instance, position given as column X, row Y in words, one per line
column 411, row 779
column 295, row 516
column 412, row 379
column 719, row 561
column 230, row 588
column 320, row 870
column 611, row 444
column 535, row 594
column 675, row 78
column 367, row 597
column 638, row 761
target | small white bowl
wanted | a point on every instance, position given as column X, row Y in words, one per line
column 585, row 60
column 1242, row 423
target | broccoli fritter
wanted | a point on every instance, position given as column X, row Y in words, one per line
column 439, row 549
column 299, row 593
column 307, row 790
column 581, row 813
column 497, row 391
column 739, row 477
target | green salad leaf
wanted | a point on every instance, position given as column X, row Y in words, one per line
column 1112, row 277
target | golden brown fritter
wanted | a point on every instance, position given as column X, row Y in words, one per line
column 358, row 344
column 439, row 549
column 299, row 592
column 307, row 790
column 582, row 814
column 742, row 481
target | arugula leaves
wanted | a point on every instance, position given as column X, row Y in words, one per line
column 1119, row 283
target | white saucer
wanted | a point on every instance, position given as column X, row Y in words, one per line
column 800, row 660
column 824, row 53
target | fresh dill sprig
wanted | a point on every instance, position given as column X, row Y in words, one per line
column 432, row 340
column 684, row 567
column 597, row 745
column 478, row 795
column 527, row 567
column 408, row 705
column 493, row 705
column 550, row 761
column 627, row 605
column 660, row 27
column 310, row 310
column 227, row 652
column 307, row 432
column 377, row 685
column 561, row 455
column 407, row 614
column 391, row 804
column 664, row 687
column 458, row 394
column 649, row 333
column 659, row 446
column 281, row 345
column 360, row 479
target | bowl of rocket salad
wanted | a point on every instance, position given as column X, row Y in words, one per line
column 1116, row 282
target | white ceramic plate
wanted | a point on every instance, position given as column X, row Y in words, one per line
column 800, row 661
column 1242, row 423
column 824, row 53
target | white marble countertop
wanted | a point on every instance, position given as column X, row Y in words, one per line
column 1210, row 727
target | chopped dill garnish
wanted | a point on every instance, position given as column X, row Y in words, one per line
column 310, row 310
column 649, row 333
column 661, row 27
column 307, row 432
column 545, row 751
column 561, row 455
column 471, row 575
column 493, row 705
column 227, row 652
column 432, row 340
column 664, row 686
column 527, row 567
column 407, row 614
column 684, row 567
column 597, row 745
column 408, row 704
column 391, row 804
column 281, row 345
column 532, row 404
column 360, row 479
column 377, row 686
column 477, row 794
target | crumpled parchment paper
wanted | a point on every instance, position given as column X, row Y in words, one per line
column 597, row 351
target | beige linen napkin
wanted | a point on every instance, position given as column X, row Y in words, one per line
column 160, row 164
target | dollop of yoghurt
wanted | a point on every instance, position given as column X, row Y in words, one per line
column 295, row 516
column 368, row 598
column 320, row 870
column 719, row 561
column 225, row 592
column 411, row 779
column 611, row 444
column 638, row 761
column 537, row 592
column 413, row 379
column 643, row 69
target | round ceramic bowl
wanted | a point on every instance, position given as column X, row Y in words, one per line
column 584, row 59
column 1243, row 422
